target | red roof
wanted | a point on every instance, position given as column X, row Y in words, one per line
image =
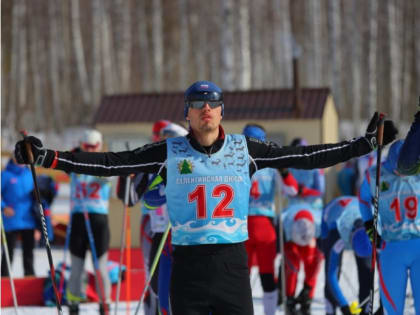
column 239, row 105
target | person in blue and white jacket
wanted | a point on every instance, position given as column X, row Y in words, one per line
column 17, row 215
column 266, row 183
column 91, row 194
column 398, row 228
column 342, row 228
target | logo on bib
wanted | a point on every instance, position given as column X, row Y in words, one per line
column 384, row 186
column 185, row 167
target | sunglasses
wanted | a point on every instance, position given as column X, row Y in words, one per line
column 201, row 104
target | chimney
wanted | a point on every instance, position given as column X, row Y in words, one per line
column 297, row 97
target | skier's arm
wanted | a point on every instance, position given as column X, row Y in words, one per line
column 268, row 154
column 332, row 272
column 149, row 159
column 409, row 159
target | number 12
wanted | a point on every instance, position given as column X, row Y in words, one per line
column 221, row 210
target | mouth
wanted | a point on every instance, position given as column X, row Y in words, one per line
column 206, row 117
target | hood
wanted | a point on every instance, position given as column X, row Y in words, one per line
column 14, row 168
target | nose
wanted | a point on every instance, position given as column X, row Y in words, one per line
column 206, row 106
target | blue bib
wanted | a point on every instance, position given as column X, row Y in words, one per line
column 263, row 190
column 335, row 208
column 310, row 179
column 89, row 193
column 398, row 205
column 208, row 197
column 345, row 223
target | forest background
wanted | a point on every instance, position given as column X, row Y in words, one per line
column 60, row 57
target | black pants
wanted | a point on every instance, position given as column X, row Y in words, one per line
column 28, row 245
column 210, row 279
column 79, row 240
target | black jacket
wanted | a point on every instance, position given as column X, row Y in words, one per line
column 151, row 158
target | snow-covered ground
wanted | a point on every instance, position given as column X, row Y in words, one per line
column 348, row 282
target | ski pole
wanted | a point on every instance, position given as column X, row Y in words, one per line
column 9, row 267
column 379, row 137
column 128, row 261
column 152, row 269
column 123, row 238
column 282, row 274
column 44, row 225
column 98, row 278
column 128, row 244
column 63, row 266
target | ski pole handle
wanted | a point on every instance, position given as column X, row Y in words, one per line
column 381, row 129
column 28, row 147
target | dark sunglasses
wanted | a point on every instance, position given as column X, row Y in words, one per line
column 201, row 104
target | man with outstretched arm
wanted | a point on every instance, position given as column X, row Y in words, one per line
column 207, row 175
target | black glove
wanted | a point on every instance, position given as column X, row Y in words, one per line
column 345, row 310
column 390, row 131
column 42, row 157
column 369, row 231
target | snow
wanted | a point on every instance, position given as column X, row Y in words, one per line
column 348, row 282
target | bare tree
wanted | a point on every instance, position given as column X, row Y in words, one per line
column 124, row 43
column 244, row 46
column 394, row 22
column 256, row 44
column 353, row 46
column 282, row 40
column 54, row 68
column 79, row 53
column 36, row 70
column 373, row 44
column 227, row 47
column 407, row 57
column 157, row 44
column 145, row 57
column 334, row 32
column 314, row 46
column 184, row 42
column 96, row 76
column 12, row 109
column 109, row 73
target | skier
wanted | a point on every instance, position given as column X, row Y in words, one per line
column 409, row 159
column 155, row 201
column 399, row 230
column 342, row 228
column 17, row 215
column 311, row 182
column 91, row 194
column 261, row 232
column 301, row 225
column 207, row 176
column 150, row 224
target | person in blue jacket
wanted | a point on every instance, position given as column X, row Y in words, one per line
column 342, row 228
column 398, row 228
column 311, row 183
column 409, row 159
column 17, row 215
